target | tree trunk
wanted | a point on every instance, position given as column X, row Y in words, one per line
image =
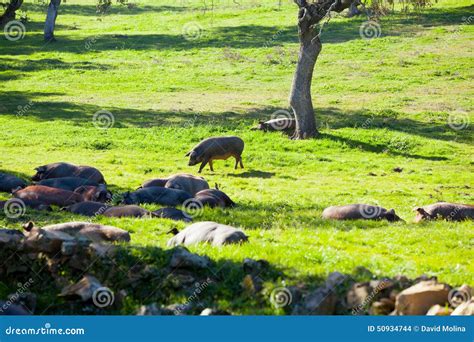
column 10, row 11
column 309, row 15
column 300, row 96
column 353, row 10
column 51, row 20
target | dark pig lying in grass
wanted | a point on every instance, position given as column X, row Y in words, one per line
column 360, row 212
column 60, row 170
column 277, row 124
column 172, row 214
column 49, row 196
column 187, row 182
column 156, row 195
column 92, row 231
column 214, row 198
column 446, row 211
column 67, row 183
column 211, row 232
column 8, row 183
column 88, row 208
column 216, row 148
column 126, row 211
column 154, row 182
column 94, row 193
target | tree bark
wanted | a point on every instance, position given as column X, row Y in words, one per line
column 51, row 20
column 309, row 14
column 10, row 11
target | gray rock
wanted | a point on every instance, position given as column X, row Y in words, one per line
column 182, row 258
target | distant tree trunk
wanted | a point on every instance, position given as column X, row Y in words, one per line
column 10, row 11
column 309, row 14
column 51, row 20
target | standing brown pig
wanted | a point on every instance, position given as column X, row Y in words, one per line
column 216, row 148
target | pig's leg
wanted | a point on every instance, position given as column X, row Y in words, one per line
column 210, row 165
column 236, row 163
column 204, row 162
column 241, row 164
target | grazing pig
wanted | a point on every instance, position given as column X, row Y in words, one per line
column 187, row 182
column 155, row 182
column 67, row 183
column 8, row 183
column 60, row 170
column 216, row 148
column 94, row 193
column 277, row 124
column 359, row 212
column 36, row 205
column 444, row 210
column 172, row 214
column 214, row 198
column 126, row 211
column 49, row 196
column 211, row 232
column 91, row 231
column 87, row 208
column 157, row 195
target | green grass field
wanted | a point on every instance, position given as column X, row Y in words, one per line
column 380, row 104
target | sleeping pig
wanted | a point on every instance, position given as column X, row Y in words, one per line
column 214, row 198
column 216, row 148
column 47, row 195
column 446, row 211
column 60, row 170
column 8, row 183
column 359, row 212
column 88, row 208
column 172, row 214
column 67, row 183
column 187, row 182
column 156, row 195
column 126, row 211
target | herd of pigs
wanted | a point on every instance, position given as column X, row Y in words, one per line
column 82, row 190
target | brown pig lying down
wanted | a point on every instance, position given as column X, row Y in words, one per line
column 11, row 204
column 97, row 208
column 359, row 212
column 60, row 170
column 92, row 231
column 211, row 232
column 214, row 198
column 446, row 211
column 53, row 196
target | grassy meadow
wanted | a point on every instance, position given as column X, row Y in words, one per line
column 174, row 73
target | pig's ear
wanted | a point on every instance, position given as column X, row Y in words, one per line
column 28, row 226
column 187, row 154
column 40, row 169
column 391, row 211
